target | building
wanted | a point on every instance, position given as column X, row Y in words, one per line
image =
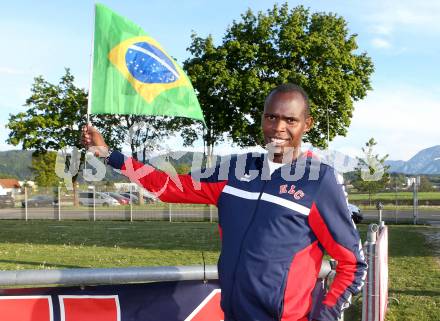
column 9, row 186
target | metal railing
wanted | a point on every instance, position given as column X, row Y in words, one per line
column 102, row 276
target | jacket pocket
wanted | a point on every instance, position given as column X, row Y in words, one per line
column 279, row 302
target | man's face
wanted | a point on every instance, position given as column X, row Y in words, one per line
column 284, row 122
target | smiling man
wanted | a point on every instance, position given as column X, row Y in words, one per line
column 286, row 118
column 274, row 228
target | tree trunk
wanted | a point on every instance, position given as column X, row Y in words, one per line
column 210, row 156
column 75, row 191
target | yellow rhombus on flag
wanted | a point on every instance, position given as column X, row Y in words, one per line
column 132, row 73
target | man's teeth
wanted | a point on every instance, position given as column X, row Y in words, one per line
column 277, row 140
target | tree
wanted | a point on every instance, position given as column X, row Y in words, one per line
column 43, row 165
column 425, row 184
column 54, row 118
column 259, row 52
column 371, row 173
column 397, row 181
column 146, row 133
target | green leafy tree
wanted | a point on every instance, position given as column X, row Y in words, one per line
column 43, row 168
column 425, row 185
column 54, row 117
column 371, row 173
column 263, row 50
column 145, row 134
column 397, row 181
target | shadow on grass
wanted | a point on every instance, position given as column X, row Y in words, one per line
column 39, row 264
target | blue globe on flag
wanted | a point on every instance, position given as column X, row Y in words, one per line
column 148, row 64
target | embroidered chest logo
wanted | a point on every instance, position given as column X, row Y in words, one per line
column 297, row 194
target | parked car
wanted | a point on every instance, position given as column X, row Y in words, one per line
column 39, row 201
column 147, row 198
column 86, row 199
column 134, row 198
column 356, row 214
column 6, row 201
column 120, row 198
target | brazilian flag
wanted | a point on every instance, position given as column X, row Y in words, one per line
column 132, row 73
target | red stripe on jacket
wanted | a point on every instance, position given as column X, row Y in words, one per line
column 177, row 189
column 300, row 283
column 346, row 268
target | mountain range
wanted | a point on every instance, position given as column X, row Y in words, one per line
column 426, row 161
column 17, row 163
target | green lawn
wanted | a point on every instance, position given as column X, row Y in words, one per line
column 414, row 273
column 414, row 277
column 67, row 244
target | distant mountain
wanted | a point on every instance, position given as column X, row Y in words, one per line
column 427, row 162
column 16, row 163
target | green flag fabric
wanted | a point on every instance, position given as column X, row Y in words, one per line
column 132, row 73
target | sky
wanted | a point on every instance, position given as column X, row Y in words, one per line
column 402, row 38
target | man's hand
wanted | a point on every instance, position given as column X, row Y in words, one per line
column 93, row 141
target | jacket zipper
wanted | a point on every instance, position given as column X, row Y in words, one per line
column 241, row 248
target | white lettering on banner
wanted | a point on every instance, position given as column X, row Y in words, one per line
column 209, row 309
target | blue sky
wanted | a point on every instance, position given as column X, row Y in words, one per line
column 402, row 37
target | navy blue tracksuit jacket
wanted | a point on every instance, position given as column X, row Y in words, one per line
column 274, row 230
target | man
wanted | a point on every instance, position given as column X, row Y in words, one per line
column 274, row 226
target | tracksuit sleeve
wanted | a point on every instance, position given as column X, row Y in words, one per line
column 330, row 220
column 171, row 189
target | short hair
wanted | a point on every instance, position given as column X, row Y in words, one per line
column 290, row 88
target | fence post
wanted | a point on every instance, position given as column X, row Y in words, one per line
column 94, row 204
column 368, row 303
column 25, row 204
column 59, row 203
column 131, row 203
column 169, row 212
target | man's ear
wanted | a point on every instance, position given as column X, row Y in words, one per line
column 309, row 124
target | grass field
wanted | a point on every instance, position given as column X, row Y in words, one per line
column 414, row 273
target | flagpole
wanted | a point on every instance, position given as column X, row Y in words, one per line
column 89, row 95
column 89, row 98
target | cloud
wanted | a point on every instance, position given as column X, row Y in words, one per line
column 393, row 15
column 7, row 71
column 402, row 119
column 380, row 43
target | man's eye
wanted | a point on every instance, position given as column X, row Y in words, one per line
column 290, row 120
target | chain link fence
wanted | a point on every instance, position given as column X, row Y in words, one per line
column 96, row 203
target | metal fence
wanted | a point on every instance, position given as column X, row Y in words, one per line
column 90, row 204
column 375, row 291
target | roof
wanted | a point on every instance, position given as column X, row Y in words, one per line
column 9, row 183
